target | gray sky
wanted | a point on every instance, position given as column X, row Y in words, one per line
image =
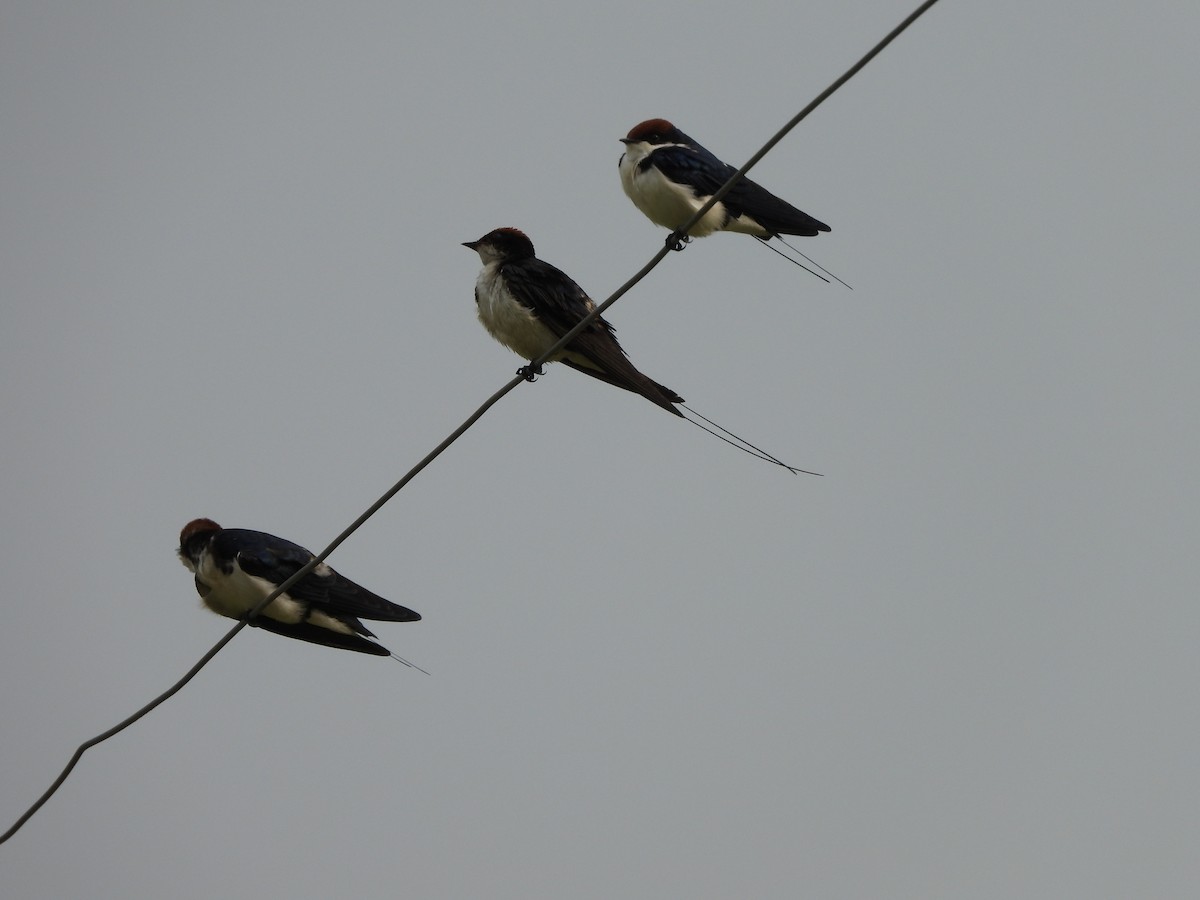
column 962, row 664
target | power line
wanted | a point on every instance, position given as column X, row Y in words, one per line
column 676, row 238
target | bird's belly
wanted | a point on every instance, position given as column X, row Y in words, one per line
column 512, row 324
column 237, row 593
column 669, row 204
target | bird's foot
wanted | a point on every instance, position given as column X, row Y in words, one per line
column 677, row 241
column 530, row 372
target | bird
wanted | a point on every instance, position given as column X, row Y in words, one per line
column 669, row 176
column 528, row 305
column 236, row 569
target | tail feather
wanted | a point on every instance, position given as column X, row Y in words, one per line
column 634, row 382
column 742, row 444
column 314, row 634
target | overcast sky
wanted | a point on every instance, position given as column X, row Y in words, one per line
column 962, row 664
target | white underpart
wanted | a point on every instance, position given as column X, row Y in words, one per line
column 329, row 623
column 666, row 203
column 237, row 593
column 509, row 322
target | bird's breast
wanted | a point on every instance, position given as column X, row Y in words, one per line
column 507, row 320
column 235, row 593
column 668, row 203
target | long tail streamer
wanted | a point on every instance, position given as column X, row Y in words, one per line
column 741, row 443
column 766, row 243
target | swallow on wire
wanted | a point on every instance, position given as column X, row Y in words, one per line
column 669, row 176
column 235, row 569
column 527, row 305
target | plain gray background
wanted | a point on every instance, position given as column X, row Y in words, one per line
column 962, row 664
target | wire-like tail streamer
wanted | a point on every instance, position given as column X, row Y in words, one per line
column 741, row 443
column 795, row 262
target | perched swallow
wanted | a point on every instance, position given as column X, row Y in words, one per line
column 669, row 176
column 527, row 305
column 235, row 569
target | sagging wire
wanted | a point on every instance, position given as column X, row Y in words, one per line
column 675, row 238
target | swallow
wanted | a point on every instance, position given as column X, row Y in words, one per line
column 236, row 569
column 528, row 305
column 669, row 176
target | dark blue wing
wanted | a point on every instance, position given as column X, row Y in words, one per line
column 695, row 167
column 303, row 631
column 552, row 295
column 275, row 559
column 705, row 174
column 560, row 303
column 260, row 554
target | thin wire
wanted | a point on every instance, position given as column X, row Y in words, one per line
column 679, row 236
column 797, row 119
column 300, row 573
column 458, row 432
